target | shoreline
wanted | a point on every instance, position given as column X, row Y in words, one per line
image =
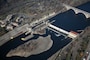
column 58, row 54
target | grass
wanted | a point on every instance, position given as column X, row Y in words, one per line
column 83, row 45
column 68, row 57
column 78, row 57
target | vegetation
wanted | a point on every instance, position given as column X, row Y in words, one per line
column 69, row 54
column 78, row 57
column 83, row 45
column 68, row 57
column 2, row 31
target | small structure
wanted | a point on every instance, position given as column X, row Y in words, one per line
column 19, row 19
column 14, row 24
column 9, row 27
column 2, row 24
column 73, row 34
column 87, row 56
column 8, row 17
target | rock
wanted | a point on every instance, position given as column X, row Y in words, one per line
column 32, row 47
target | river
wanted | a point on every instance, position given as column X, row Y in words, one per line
column 67, row 20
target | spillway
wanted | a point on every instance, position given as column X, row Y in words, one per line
column 58, row 29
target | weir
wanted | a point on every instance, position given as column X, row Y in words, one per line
column 70, row 34
column 76, row 10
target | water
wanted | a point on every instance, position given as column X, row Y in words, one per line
column 67, row 20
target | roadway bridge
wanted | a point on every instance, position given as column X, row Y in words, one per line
column 76, row 10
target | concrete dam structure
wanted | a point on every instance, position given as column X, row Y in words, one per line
column 70, row 34
column 76, row 10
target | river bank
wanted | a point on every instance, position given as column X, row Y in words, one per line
column 75, row 50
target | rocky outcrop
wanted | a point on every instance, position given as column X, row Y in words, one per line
column 32, row 47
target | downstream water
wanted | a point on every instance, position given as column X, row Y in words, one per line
column 67, row 20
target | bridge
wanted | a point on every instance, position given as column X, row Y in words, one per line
column 76, row 10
